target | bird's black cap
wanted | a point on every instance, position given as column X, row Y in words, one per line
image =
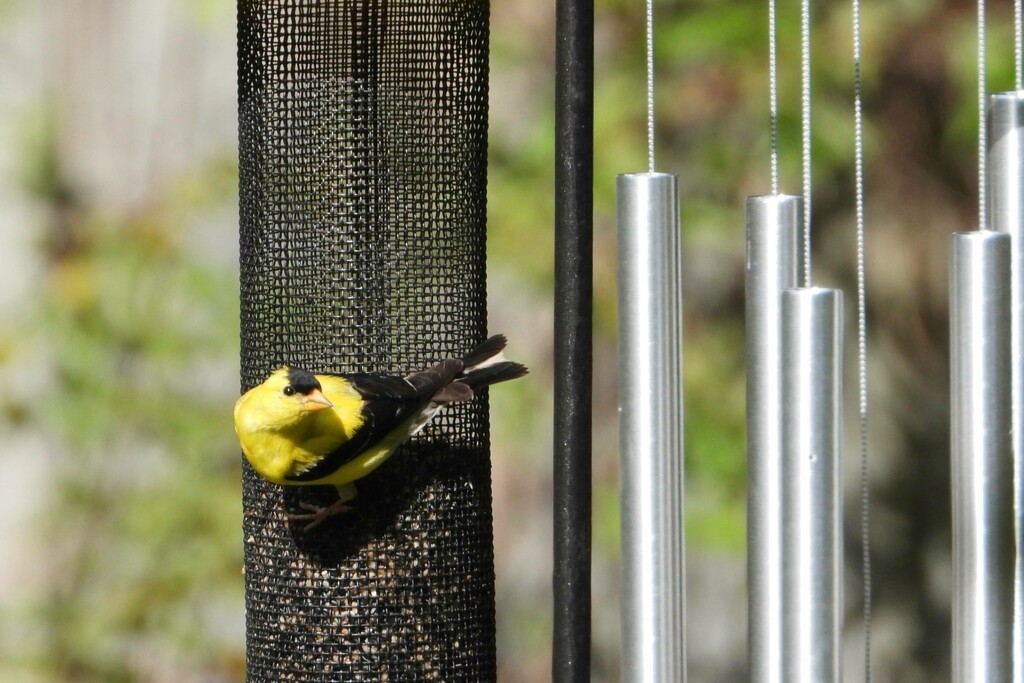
column 303, row 382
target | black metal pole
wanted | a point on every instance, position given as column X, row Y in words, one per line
column 574, row 179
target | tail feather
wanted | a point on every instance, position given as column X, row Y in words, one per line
column 441, row 375
column 454, row 392
column 484, row 352
column 481, row 367
column 492, row 374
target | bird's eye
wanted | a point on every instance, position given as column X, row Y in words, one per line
column 288, row 391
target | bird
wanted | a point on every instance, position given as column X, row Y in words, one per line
column 303, row 429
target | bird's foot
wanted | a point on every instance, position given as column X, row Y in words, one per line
column 316, row 514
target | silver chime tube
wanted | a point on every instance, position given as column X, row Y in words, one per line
column 774, row 262
column 982, row 467
column 1006, row 178
column 651, row 428
column 812, row 334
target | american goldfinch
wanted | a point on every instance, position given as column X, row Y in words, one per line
column 297, row 428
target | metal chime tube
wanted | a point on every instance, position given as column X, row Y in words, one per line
column 774, row 261
column 1006, row 193
column 812, row 332
column 651, row 428
column 983, row 546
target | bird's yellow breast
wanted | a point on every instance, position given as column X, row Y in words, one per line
column 280, row 440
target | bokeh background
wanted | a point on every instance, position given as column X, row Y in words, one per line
column 120, row 512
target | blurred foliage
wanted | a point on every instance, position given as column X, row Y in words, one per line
column 132, row 338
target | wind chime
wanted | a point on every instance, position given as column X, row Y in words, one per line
column 987, row 379
column 794, row 406
column 651, row 414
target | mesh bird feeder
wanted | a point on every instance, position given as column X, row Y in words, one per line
column 362, row 133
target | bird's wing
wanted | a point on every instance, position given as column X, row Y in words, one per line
column 389, row 402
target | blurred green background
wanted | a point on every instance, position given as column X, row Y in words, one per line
column 120, row 543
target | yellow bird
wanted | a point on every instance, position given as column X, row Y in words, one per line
column 297, row 428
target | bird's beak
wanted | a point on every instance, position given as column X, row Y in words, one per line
column 315, row 400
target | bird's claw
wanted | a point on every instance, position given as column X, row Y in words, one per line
column 317, row 514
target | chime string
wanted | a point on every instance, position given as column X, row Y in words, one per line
column 982, row 124
column 862, row 337
column 805, row 70
column 773, row 93
column 650, row 85
column 1018, row 44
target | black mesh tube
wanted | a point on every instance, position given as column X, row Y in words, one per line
column 362, row 129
